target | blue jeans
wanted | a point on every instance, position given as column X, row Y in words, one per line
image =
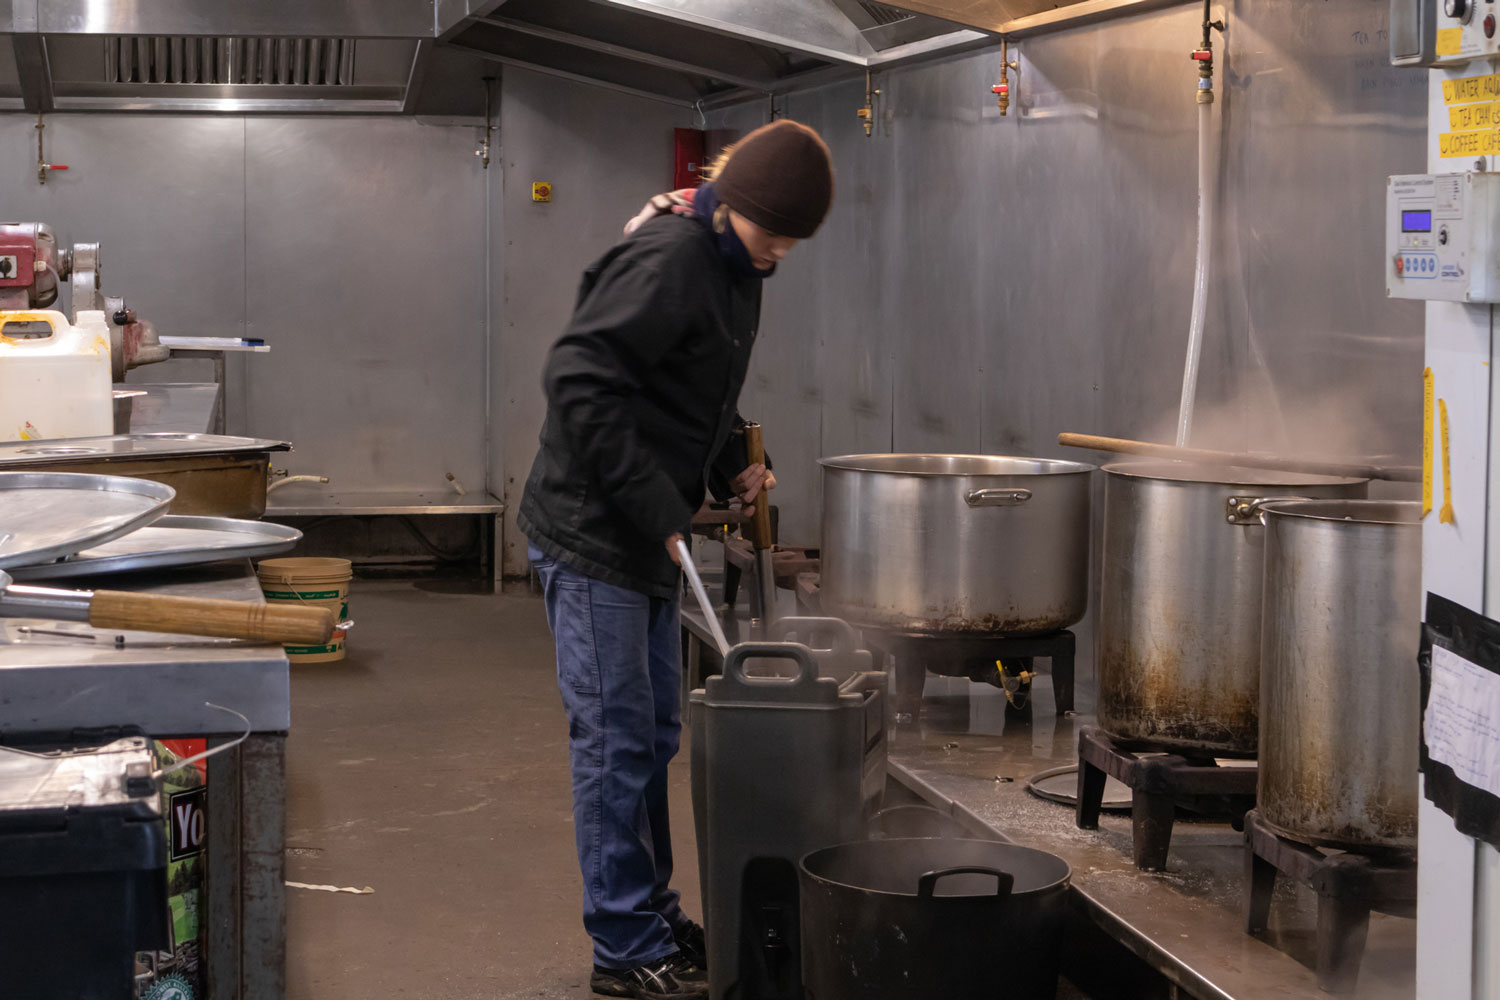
column 619, row 668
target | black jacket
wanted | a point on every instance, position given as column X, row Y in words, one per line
column 641, row 394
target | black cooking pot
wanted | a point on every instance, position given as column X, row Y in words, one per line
column 931, row 918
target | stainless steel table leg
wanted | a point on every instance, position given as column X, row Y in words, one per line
column 222, row 949
column 263, row 867
column 219, row 418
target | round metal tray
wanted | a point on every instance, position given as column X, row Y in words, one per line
column 171, row 541
column 46, row 516
column 1060, row 784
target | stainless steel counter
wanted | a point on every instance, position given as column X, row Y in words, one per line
column 86, row 678
column 967, row 759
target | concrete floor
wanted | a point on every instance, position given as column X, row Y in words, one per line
column 431, row 765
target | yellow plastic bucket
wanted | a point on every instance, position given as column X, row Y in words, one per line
column 316, row 581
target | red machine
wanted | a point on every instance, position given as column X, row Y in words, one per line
column 31, row 268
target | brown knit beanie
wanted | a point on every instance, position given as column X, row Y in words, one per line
column 780, row 177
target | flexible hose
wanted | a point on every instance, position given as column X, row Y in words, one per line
column 1206, row 165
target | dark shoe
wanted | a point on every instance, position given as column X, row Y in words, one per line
column 691, row 943
column 688, row 971
column 659, row 981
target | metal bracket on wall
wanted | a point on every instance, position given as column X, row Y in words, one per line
column 42, row 166
column 483, row 152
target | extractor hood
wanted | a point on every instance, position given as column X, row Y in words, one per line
column 219, row 55
column 374, row 56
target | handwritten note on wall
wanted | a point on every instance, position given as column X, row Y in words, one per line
column 1462, row 724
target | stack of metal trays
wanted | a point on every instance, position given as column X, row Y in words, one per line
column 214, row 475
column 59, row 524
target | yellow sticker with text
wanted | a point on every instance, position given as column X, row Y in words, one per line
column 1468, row 89
column 1461, row 144
column 1426, row 441
column 1449, row 41
column 1466, row 117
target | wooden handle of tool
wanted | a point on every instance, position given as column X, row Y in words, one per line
column 115, row 609
column 1126, row 446
column 755, row 449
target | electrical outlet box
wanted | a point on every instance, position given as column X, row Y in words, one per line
column 1443, row 32
column 1440, row 237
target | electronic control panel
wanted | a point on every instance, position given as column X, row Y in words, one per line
column 1443, row 32
column 1440, row 237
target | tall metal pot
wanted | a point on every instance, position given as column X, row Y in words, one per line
column 1180, row 601
column 1339, row 692
column 955, row 544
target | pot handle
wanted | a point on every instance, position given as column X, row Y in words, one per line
column 1004, row 881
column 997, row 498
column 1247, row 510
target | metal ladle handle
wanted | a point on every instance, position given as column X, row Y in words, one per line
column 686, row 556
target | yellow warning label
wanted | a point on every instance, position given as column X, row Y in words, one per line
column 1426, row 441
column 1446, row 515
column 1469, row 89
column 1449, row 41
column 1460, row 144
column 1467, row 117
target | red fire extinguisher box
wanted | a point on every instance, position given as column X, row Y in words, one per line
column 689, row 148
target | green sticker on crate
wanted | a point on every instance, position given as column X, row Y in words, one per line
column 301, row 595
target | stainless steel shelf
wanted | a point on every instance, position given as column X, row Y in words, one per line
column 296, row 502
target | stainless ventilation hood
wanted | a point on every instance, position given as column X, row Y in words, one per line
column 407, row 56
column 715, row 52
column 213, row 55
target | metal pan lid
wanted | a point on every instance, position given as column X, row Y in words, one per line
column 120, row 447
column 924, row 464
column 50, row 515
column 168, row 542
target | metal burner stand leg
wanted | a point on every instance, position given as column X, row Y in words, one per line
column 1343, row 928
column 1260, row 876
column 1091, row 781
column 1151, row 817
column 1062, row 673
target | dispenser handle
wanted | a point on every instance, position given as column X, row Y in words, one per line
column 734, row 663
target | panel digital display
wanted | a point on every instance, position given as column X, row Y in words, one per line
column 1416, row 222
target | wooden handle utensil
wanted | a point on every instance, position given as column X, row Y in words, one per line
column 755, row 449
column 118, row 609
column 1398, row 473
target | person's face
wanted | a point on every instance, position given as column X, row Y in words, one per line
column 765, row 247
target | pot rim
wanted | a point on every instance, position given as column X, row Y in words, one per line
column 1062, row 881
column 869, row 461
column 1189, row 473
column 1307, row 510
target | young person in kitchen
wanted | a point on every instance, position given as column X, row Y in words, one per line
column 641, row 401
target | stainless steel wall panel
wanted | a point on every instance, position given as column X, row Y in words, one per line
column 1033, row 273
column 364, row 270
column 604, row 155
column 164, row 198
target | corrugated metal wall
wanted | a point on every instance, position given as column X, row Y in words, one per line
column 353, row 246
column 984, row 282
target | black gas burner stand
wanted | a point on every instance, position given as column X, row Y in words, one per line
column 1349, row 885
column 1157, row 784
column 974, row 657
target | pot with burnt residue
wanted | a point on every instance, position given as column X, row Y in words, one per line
column 955, row 544
column 1339, row 692
column 1180, row 601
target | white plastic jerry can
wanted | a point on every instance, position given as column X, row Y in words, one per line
column 54, row 376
